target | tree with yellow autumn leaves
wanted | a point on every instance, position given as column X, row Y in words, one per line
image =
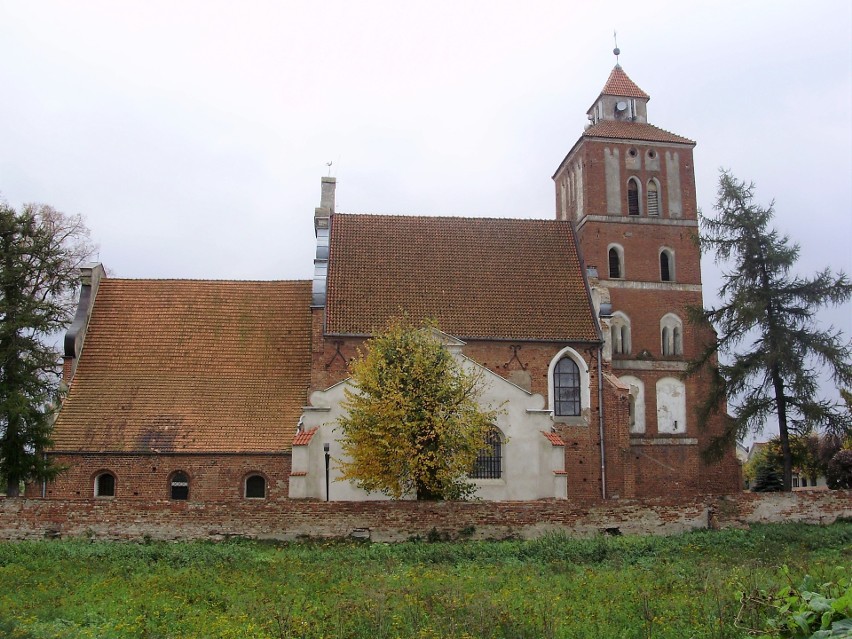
column 413, row 424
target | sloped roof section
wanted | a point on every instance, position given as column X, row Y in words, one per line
column 190, row 366
column 621, row 130
column 477, row 277
column 619, row 84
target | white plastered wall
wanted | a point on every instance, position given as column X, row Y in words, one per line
column 532, row 466
column 671, row 406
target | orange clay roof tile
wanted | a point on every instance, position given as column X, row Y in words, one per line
column 304, row 437
column 553, row 438
column 619, row 84
column 190, row 366
column 477, row 277
column 619, row 129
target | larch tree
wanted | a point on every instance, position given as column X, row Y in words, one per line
column 772, row 350
column 41, row 250
column 413, row 424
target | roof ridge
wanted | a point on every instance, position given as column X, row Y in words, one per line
column 605, row 125
column 448, row 217
column 202, row 281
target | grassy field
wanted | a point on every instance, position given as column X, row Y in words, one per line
column 678, row 587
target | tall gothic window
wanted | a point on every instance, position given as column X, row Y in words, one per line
column 632, row 197
column 653, row 199
column 566, row 388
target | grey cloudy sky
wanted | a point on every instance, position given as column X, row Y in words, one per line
column 192, row 135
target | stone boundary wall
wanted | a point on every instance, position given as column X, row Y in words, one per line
column 398, row 521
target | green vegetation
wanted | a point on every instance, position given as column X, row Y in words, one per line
column 701, row 585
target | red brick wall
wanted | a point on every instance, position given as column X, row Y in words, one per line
column 398, row 521
column 215, row 478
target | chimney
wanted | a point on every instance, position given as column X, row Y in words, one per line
column 326, row 207
column 322, row 227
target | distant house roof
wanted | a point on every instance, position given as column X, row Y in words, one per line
column 477, row 277
column 619, row 129
column 190, row 366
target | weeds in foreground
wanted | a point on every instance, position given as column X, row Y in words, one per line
column 687, row 586
column 810, row 610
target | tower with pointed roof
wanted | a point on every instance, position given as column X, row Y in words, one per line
column 629, row 189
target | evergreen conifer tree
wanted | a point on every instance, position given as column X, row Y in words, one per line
column 772, row 348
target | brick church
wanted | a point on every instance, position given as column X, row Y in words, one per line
column 187, row 390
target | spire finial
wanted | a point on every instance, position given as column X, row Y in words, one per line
column 328, row 164
column 616, row 51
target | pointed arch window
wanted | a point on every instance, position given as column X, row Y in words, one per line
column 633, row 196
column 566, row 388
column 653, row 198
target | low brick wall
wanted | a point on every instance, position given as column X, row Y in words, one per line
column 398, row 521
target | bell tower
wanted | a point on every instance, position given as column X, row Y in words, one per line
column 628, row 187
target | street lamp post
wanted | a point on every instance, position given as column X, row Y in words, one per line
column 326, row 448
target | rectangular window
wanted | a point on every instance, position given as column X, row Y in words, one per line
column 489, row 462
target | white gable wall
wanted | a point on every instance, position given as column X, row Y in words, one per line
column 529, row 458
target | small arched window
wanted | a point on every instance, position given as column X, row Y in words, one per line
column 105, row 485
column 255, row 487
column 179, row 486
column 653, row 198
column 666, row 266
column 671, row 335
column 616, row 267
column 633, row 196
column 566, row 388
column 489, row 461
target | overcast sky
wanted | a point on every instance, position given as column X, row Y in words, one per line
column 193, row 135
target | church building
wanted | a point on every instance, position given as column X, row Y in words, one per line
column 194, row 391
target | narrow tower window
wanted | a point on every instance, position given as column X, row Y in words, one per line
column 632, row 197
column 615, row 270
column 653, row 200
column 665, row 266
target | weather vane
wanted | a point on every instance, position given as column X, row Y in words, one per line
column 328, row 164
column 616, row 51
